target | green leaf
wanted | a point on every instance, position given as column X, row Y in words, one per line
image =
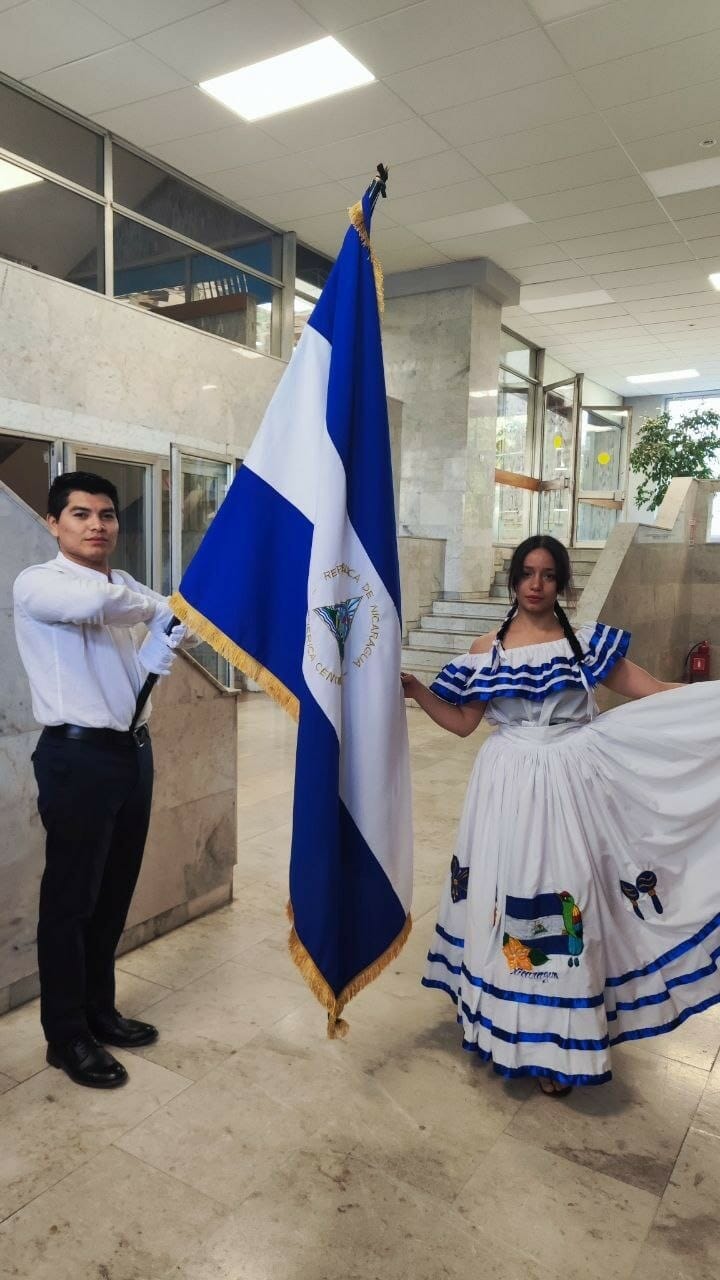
column 689, row 447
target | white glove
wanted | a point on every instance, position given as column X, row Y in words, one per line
column 157, row 651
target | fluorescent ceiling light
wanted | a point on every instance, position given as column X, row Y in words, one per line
column 715, row 279
column 12, row 176
column 314, row 71
column 677, row 178
column 567, row 301
column 664, row 377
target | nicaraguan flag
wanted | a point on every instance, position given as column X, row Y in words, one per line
column 297, row 583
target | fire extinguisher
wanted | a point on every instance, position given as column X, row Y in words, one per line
column 697, row 663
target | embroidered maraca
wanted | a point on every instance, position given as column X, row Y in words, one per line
column 632, row 895
column 646, row 882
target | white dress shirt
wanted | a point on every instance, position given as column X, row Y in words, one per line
column 78, row 634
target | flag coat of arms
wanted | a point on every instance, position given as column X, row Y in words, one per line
column 297, row 583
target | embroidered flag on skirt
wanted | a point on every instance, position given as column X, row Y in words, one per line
column 296, row 582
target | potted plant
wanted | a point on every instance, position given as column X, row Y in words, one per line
column 688, row 447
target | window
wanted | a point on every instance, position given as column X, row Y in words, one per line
column 518, row 355
column 25, row 468
column 160, row 196
column 52, row 229
column 204, row 484
column 131, row 481
column 169, row 278
column 50, row 139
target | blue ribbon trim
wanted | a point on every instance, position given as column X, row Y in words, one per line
column 668, row 956
column 516, row 1037
column 454, row 942
column 644, row 1033
column 513, row 1073
column 554, row 1002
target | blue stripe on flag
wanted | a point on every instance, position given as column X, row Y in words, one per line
column 544, row 904
column 357, row 397
column 275, row 635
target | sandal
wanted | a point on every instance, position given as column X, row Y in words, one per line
column 562, row 1092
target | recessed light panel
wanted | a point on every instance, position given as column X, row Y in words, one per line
column 676, row 178
column 307, row 74
column 673, row 376
column 715, row 279
column 12, row 176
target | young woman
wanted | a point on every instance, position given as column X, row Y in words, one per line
column 582, row 907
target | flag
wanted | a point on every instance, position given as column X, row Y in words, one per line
column 297, row 583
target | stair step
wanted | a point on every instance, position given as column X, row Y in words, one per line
column 442, row 641
column 493, row 610
column 425, row 662
column 446, row 622
column 501, row 580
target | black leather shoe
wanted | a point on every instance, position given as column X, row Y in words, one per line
column 125, row 1033
column 86, row 1062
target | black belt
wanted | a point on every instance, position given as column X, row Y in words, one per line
column 101, row 737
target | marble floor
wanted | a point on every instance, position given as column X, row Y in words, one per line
column 249, row 1147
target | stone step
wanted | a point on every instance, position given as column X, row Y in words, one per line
column 500, row 593
column 442, row 641
column 490, row 609
column 424, row 663
column 446, row 622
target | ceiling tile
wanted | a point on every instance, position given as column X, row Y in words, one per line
column 477, row 197
column 267, row 177
column 337, row 15
column 434, row 29
column 552, row 273
column 598, row 195
column 629, row 27
column 664, row 113
column 635, row 77
column 398, row 250
column 447, row 82
column 689, row 304
column 232, row 35
column 696, row 228
column 692, row 204
column 656, row 256
column 564, row 293
column 420, row 177
column 287, row 208
column 408, row 140
column 658, row 292
column 137, row 17
column 220, row 149
column 572, row 137
column 618, row 241
column 42, row 34
column 675, row 179
column 509, row 113
column 551, row 10
column 473, row 222
column 607, row 319
column 326, row 231
column 649, row 275
column 562, row 175
column 706, row 247
column 605, row 221
column 528, row 256
column 678, row 148
column 178, row 114
column 320, row 123
column 109, row 79
column 490, row 244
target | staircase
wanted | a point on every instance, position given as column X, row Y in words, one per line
column 452, row 625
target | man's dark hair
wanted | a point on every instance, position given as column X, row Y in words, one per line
column 62, row 486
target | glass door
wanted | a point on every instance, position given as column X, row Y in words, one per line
column 133, row 481
column 556, row 466
column 514, row 485
column 601, row 473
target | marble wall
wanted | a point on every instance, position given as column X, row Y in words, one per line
column 440, row 347
column 192, row 842
column 422, row 571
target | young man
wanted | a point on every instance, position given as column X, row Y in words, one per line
column 75, row 622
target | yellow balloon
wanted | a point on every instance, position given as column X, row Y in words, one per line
column 603, row 459
column 558, row 442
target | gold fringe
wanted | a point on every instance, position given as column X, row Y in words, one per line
column 227, row 648
column 355, row 214
column 337, row 1026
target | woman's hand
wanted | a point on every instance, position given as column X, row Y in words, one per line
column 410, row 684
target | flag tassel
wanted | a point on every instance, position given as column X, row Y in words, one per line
column 239, row 658
column 337, row 1027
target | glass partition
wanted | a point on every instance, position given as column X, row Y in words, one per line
column 601, row 469
column 49, row 228
column 204, row 484
column 50, row 139
column 131, row 479
column 558, row 442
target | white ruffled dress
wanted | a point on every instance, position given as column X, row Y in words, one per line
column 582, row 907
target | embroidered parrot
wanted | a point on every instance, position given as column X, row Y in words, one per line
column 573, row 927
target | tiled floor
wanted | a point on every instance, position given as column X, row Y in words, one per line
column 249, row 1147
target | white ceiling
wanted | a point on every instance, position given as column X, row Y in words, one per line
column 528, row 131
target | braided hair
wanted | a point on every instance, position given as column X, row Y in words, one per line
column 563, row 578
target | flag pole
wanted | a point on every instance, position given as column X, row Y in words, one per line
column 149, row 684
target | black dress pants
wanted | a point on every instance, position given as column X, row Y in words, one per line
column 94, row 801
